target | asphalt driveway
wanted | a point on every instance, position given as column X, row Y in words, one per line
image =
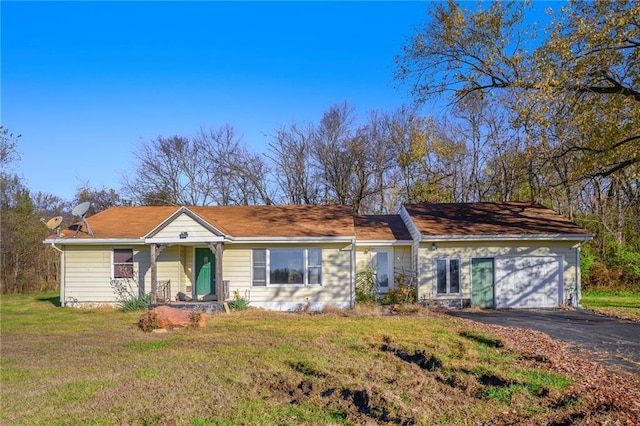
column 613, row 342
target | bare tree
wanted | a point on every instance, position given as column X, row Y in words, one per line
column 171, row 168
column 295, row 167
column 238, row 176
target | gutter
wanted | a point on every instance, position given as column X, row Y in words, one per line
column 96, row 241
column 509, row 237
column 365, row 243
column 291, row 239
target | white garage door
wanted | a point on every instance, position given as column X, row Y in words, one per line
column 528, row 282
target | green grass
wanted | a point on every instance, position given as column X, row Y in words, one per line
column 71, row 366
column 621, row 304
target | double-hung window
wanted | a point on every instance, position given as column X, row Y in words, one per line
column 123, row 263
column 448, row 276
column 287, row 266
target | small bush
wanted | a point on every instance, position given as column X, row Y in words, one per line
column 135, row 303
column 194, row 319
column 128, row 296
column 366, row 288
column 404, row 293
column 148, row 321
column 239, row 303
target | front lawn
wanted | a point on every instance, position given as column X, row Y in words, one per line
column 621, row 304
column 71, row 366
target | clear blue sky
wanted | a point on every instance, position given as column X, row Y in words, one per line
column 86, row 82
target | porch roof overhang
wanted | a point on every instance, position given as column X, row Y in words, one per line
column 186, row 241
column 506, row 237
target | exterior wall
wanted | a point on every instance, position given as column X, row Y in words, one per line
column 87, row 273
column 465, row 251
column 87, row 270
column 402, row 262
column 336, row 278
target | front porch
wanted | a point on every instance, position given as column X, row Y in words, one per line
column 205, row 279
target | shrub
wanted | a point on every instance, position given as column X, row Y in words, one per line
column 239, row 303
column 128, row 296
column 135, row 303
column 366, row 288
column 404, row 292
column 194, row 319
column 148, row 321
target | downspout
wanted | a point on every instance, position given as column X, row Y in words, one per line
column 62, row 298
column 352, row 285
column 578, row 275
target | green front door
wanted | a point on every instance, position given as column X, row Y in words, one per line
column 205, row 272
column 482, row 283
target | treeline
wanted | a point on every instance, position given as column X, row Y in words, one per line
column 555, row 121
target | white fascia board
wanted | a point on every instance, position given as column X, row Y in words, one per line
column 384, row 242
column 285, row 240
column 95, row 241
column 174, row 240
column 410, row 224
column 513, row 237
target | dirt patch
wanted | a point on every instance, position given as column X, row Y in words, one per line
column 375, row 406
column 420, row 358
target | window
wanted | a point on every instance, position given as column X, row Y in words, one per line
column 448, row 276
column 122, row 263
column 259, row 267
column 287, row 267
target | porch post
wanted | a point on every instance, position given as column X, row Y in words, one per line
column 154, row 273
column 219, row 284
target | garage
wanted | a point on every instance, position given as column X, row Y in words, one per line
column 528, row 281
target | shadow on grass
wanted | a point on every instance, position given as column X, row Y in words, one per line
column 55, row 300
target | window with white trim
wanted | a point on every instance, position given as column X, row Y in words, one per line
column 448, row 276
column 122, row 263
column 286, row 266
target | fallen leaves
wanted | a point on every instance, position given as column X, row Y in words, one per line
column 606, row 397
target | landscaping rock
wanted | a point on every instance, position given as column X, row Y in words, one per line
column 166, row 317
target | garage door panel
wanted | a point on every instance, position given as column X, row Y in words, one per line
column 528, row 282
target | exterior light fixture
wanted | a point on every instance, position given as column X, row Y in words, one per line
column 184, row 235
column 434, row 246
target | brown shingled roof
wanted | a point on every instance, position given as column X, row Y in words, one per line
column 280, row 221
column 381, row 228
column 465, row 219
column 234, row 221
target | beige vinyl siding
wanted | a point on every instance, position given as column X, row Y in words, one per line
column 168, row 268
column 87, row 272
column 476, row 249
column 181, row 224
column 401, row 258
column 335, row 288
